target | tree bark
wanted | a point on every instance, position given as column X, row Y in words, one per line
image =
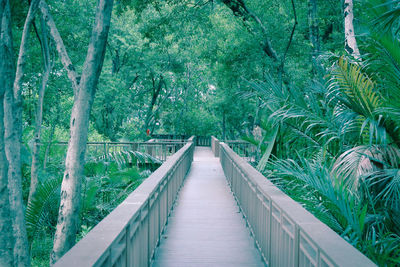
column 350, row 39
column 6, row 230
column 68, row 216
column 6, row 78
column 13, row 139
column 39, row 111
column 314, row 35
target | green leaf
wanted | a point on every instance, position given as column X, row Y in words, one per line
column 271, row 142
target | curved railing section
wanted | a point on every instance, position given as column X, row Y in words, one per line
column 129, row 235
column 285, row 233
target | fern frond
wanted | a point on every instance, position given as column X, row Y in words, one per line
column 45, row 197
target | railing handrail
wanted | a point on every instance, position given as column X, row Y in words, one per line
column 137, row 223
column 268, row 211
column 171, row 136
column 192, row 139
column 127, row 143
column 237, row 141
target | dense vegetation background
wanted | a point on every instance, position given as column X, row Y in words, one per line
column 315, row 90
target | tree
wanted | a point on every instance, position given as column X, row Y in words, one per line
column 13, row 135
column 68, row 216
column 47, row 66
column 6, row 236
column 314, row 34
column 350, row 38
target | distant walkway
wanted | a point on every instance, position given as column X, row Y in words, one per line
column 206, row 227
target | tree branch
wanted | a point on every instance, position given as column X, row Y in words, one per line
column 62, row 52
column 240, row 9
column 20, row 71
column 291, row 34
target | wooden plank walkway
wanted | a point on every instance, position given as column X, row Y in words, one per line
column 206, row 227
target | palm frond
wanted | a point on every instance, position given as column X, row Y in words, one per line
column 46, row 197
column 386, row 15
column 271, row 142
column 338, row 199
column 386, row 187
column 357, row 164
column 125, row 158
column 351, row 87
column 352, row 90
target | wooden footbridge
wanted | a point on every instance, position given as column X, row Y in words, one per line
column 207, row 206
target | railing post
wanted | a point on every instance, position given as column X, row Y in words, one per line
column 215, row 146
column 164, row 151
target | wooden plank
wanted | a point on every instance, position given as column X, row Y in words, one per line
column 206, row 227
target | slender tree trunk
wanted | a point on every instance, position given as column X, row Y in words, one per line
column 52, row 130
column 39, row 111
column 314, row 34
column 6, row 230
column 181, row 121
column 68, row 216
column 62, row 52
column 350, row 39
column 223, row 127
column 13, row 136
column 6, row 78
column 155, row 93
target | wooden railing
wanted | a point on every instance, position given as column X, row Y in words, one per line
column 129, row 235
column 170, row 136
column 203, row 141
column 215, row 146
column 285, row 233
column 158, row 149
column 244, row 149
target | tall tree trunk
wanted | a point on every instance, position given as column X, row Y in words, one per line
column 39, row 111
column 350, row 39
column 13, row 138
column 223, row 126
column 155, row 94
column 68, row 216
column 314, row 34
column 6, row 79
column 6, row 230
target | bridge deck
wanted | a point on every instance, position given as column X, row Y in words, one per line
column 206, row 227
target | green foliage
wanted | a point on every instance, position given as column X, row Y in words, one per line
column 42, row 210
column 337, row 151
column 267, row 153
column 126, row 158
column 334, row 197
column 107, row 182
column 351, row 90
